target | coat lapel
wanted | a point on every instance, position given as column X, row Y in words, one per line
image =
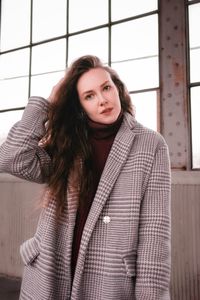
column 116, row 159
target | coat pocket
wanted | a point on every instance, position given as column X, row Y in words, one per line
column 29, row 251
column 130, row 264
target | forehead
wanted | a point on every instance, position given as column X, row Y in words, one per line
column 92, row 79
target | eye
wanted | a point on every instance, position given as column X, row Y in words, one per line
column 107, row 87
column 89, row 96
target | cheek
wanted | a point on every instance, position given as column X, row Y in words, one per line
column 89, row 108
column 118, row 102
column 116, row 96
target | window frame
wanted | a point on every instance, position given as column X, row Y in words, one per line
column 165, row 83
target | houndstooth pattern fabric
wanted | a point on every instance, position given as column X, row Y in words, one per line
column 125, row 247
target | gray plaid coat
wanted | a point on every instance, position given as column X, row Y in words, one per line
column 125, row 247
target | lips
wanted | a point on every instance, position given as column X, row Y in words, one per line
column 106, row 111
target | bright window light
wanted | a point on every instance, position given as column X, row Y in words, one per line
column 195, row 108
column 145, row 106
column 15, row 24
column 128, row 8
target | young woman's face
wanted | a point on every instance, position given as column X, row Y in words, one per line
column 99, row 97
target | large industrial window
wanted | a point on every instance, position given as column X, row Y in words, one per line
column 39, row 38
column 194, row 78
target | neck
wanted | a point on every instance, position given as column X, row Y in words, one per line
column 101, row 131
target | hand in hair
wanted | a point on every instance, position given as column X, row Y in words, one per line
column 57, row 90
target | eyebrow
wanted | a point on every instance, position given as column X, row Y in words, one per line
column 90, row 91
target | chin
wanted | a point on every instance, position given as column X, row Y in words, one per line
column 108, row 120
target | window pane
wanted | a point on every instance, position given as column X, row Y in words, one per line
column 14, row 64
column 49, row 57
column 42, row 85
column 129, row 8
column 87, row 13
column 14, row 93
column 139, row 74
column 7, row 120
column 49, row 19
column 195, row 65
column 194, row 25
column 195, row 108
column 93, row 42
column 194, row 38
column 15, row 23
column 146, row 108
column 135, row 39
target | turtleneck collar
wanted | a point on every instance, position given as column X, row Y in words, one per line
column 102, row 131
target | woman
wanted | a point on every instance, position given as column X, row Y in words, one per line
column 104, row 231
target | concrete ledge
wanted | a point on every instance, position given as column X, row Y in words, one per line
column 4, row 177
column 186, row 177
column 178, row 177
column 9, row 178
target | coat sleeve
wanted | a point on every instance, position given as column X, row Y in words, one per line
column 153, row 257
column 20, row 154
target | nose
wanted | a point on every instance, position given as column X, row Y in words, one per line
column 102, row 99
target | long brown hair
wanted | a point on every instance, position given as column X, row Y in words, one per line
column 67, row 132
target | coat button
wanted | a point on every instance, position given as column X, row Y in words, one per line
column 106, row 219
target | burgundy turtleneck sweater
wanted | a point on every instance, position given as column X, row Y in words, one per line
column 101, row 138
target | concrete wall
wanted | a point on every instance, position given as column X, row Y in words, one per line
column 19, row 211
column 185, row 275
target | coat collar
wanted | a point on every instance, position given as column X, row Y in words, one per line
column 115, row 161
